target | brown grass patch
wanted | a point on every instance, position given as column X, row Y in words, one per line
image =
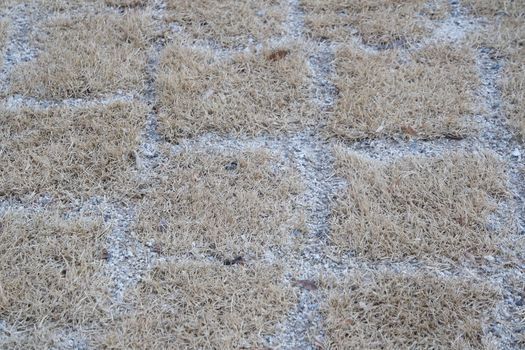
column 198, row 305
column 49, row 276
column 127, row 3
column 506, row 34
column 379, row 94
column 495, row 7
column 514, row 91
column 417, row 207
column 86, row 55
column 250, row 94
column 224, row 204
column 69, row 152
column 379, row 22
column 399, row 311
column 229, row 23
column 4, row 33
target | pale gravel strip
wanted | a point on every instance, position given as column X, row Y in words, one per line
column 497, row 135
column 129, row 259
column 16, row 102
column 18, row 48
column 303, row 327
column 149, row 148
column 312, row 157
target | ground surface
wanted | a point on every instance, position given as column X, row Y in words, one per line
column 300, row 174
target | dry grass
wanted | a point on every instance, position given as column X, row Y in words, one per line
column 58, row 6
column 495, row 7
column 4, row 33
column 69, row 152
column 399, row 311
column 127, row 3
column 196, row 305
column 49, row 277
column 380, row 95
column 505, row 34
column 225, row 204
column 384, row 23
column 86, row 55
column 253, row 93
column 514, row 91
column 414, row 207
column 229, row 23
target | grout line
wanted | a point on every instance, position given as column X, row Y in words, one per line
column 18, row 48
column 129, row 259
column 498, row 136
column 321, row 64
column 314, row 161
column 15, row 102
column 295, row 20
column 149, row 148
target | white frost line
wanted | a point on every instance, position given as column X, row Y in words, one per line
column 127, row 259
column 496, row 133
column 218, row 143
column 16, row 102
column 314, row 161
column 450, row 31
column 295, row 20
column 18, row 48
column 321, row 64
column 147, row 157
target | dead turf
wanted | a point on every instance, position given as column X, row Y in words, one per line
column 385, row 24
column 426, row 95
column 228, row 23
column 221, row 204
column 430, row 209
column 49, row 278
column 513, row 8
column 401, row 311
column 251, row 93
column 200, row 305
column 510, row 32
column 86, row 55
column 69, row 153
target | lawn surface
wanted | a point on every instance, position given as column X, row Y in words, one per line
column 303, row 174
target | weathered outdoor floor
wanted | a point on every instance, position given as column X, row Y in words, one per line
column 288, row 174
